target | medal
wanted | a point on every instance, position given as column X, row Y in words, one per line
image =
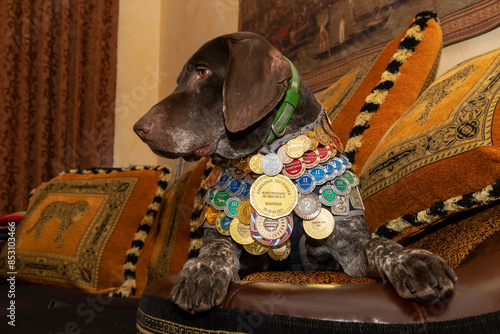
column 235, row 187
column 340, row 186
column 310, row 159
column 355, row 198
column 238, row 174
column 306, row 142
column 285, row 158
column 295, row 148
column 244, row 212
column 222, row 224
column 319, row 175
column 209, row 197
column 320, row 227
column 256, row 248
column 224, row 181
column 243, row 163
column 337, row 143
column 279, row 253
column 213, row 177
column 327, row 196
column 224, row 163
column 338, row 166
column 330, row 171
column 257, row 220
column 273, row 196
column 351, row 178
column 231, row 206
column 212, row 215
column 345, row 161
column 341, row 208
column 321, row 135
column 271, row 164
column 324, row 153
column 220, row 199
column 271, row 229
column 305, row 184
column 255, row 163
column 203, row 215
column 245, row 189
column 312, row 138
column 308, row 206
column 240, row 232
column 251, row 177
column 294, row 169
column 328, row 127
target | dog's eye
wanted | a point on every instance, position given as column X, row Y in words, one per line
column 202, row 72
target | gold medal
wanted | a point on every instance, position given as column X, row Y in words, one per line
column 243, row 163
column 321, row 135
column 222, row 224
column 279, row 253
column 240, row 232
column 203, row 215
column 255, row 162
column 312, row 138
column 244, row 212
column 306, row 142
column 328, row 127
column 256, row 248
column 295, row 148
column 212, row 214
column 283, row 155
column 321, row 226
column 224, row 163
column 273, row 196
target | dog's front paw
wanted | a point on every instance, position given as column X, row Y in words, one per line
column 420, row 275
column 202, row 284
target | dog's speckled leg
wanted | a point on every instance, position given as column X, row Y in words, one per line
column 203, row 282
column 415, row 273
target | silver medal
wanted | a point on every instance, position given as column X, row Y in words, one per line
column 271, row 164
column 341, row 208
column 308, row 206
column 355, row 198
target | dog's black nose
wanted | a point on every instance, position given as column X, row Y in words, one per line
column 143, row 127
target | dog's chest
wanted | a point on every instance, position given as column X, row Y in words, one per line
column 295, row 189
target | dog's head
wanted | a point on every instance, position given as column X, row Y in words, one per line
column 222, row 103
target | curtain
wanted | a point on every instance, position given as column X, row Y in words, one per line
column 57, row 91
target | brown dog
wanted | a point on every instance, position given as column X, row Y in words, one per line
column 224, row 107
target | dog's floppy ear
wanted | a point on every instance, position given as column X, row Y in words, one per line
column 256, row 79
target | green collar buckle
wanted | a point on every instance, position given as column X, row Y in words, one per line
column 287, row 107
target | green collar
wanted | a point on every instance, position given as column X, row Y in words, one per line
column 285, row 111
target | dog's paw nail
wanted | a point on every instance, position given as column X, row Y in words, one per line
column 198, row 302
column 190, row 304
column 213, row 302
column 175, row 295
column 410, row 284
column 451, row 274
column 440, row 283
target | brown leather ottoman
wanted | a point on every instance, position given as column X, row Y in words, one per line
column 263, row 307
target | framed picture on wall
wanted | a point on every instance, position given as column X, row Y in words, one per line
column 327, row 38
